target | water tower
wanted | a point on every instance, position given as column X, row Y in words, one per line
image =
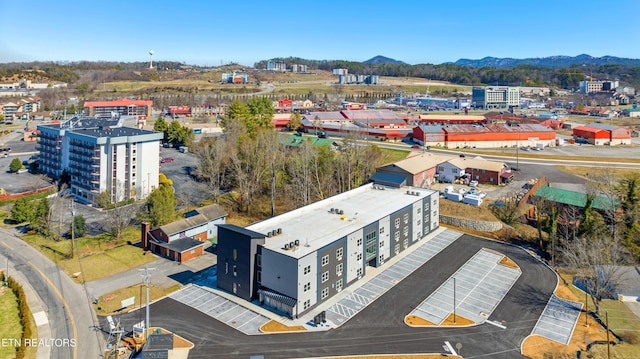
column 150, row 59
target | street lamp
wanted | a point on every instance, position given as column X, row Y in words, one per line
column 73, row 225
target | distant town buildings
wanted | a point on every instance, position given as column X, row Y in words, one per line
column 15, row 109
column 340, row 72
column 592, row 86
column 235, row 78
column 276, row 66
column 101, row 156
column 495, row 97
column 122, row 107
column 359, row 79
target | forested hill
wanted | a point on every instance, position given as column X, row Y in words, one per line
column 551, row 61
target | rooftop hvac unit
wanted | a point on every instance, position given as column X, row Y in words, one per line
column 340, row 212
column 408, row 192
column 332, row 210
column 417, row 193
column 297, row 242
column 274, row 233
column 286, row 246
column 269, row 234
column 279, row 231
column 291, row 244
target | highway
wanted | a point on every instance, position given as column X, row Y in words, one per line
column 68, row 309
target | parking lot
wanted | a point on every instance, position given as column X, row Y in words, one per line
column 188, row 191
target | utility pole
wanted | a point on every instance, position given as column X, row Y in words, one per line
column 146, row 276
column 454, row 300
column 606, row 313
column 73, row 225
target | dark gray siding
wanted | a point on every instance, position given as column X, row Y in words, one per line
column 237, row 249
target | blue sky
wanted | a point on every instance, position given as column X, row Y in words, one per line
column 210, row 33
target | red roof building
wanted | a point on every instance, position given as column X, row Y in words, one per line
column 180, row 110
column 123, row 106
column 484, row 136
column 601, row 134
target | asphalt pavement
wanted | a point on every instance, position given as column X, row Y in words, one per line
column 379, row 328
column 68, row 310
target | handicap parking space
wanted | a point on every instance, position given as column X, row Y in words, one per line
column 222, row 309
column 558, row 320
column 352, row 301
column 473, row 291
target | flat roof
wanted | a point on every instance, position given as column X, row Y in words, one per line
column 314, row 226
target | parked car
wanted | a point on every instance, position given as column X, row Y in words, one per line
column 166, row 160
column 416, row 146
column 473, row 183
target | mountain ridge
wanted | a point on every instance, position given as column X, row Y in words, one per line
column 549, row 61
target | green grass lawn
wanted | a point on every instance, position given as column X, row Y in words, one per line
column 110, row 302
column 96, row 257
column 10, row 329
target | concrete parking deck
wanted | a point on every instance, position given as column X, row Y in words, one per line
column 558, row 320
column 480, row 285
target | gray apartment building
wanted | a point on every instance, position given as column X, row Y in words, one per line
column 300, row 259
column 495, row 97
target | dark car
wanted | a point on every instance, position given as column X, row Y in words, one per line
column 416, row 146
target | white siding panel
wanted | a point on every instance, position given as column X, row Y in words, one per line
column 311, row 261
column 417, row 217
column 353, row 249
column 384, row 225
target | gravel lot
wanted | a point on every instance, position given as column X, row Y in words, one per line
column 188, row 191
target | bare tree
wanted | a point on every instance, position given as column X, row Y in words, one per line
column 120, row 217
column 597, row 261
column 212, row 164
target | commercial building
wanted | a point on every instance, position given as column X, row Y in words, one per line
column 185, row 239
column 300, row 259
column 591, row 86
column 495, row 97
column 101, row 156
column 492, row 135
column 418, row 170
column 602, row 134
column 13, row 110
column 473, row 169
column 122, row 107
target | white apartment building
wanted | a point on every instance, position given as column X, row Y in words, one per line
column 99, row 156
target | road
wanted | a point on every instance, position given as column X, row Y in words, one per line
column 68, row 309
column 379, row 328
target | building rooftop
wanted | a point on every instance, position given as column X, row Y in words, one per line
column 572, row 198
column 194, row 219
column 477, row 163
column 112, row 132
column 315, row 225
column 119, row 102
column 419, row 162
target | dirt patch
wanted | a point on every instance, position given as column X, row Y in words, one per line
column 275, row 327
column 565, row 293
column 416, row 321
column 505, row 261
column 459, row 322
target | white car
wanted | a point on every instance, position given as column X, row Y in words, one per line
column 473, row 183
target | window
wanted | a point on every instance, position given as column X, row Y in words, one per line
column 359, row 242
column 405, row 231
column 359, row 272
column 325, row 260
column 419, row 222
column 259, row 260
column 435, row 201
column 307, row 269
column 339, row 269
column 339, row 285
column 381, row 230
column 259, row 276
column 426, row 217
column 396, row 248
column 405, row 218
column 339, row 252
column 453, row 170
column 359, row 257
column 235, row 254
column 419, row 209
column 397, row 222
column 325, row 276
column 324, row 293
column 441, row 169
column 307, row 303
column 396, row 236
column 381, row 243
column 307, row 287
column 382, row 258
column 405, row 243
column 235, row 270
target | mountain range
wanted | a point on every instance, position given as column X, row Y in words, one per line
column 506, row 62
column 551, row 61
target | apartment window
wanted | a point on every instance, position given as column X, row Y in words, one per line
column 405, row 218
column 441, row 169
column 359, row 242
column 426, row 217
column 307, row 269
column 325, row 260
column 339, row 269
column 396, row 222
column 381, row 257
column 396, row 236
column 396, row 248
column 359, row 272
column 307, row 286
column 307, row 304
column 259, row 276
column 359, row 257
column 419, row 209
column 405, row 243
column 381, row 230
column 235, row 270
column 405, row 231
column 419, row 221
column 339, row 285
column 324, row 293
column 339, row 252
column 381, row 243
column 235, row 254
column 435, row 201
column 453, row 170
column 259, row 260
column 325, row 276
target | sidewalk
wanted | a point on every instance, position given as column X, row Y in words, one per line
column 37, row 311
column 164, row 273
